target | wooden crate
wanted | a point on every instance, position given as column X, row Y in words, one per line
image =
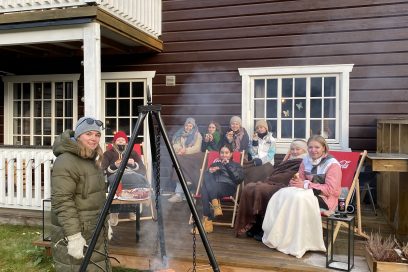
column 392, row 185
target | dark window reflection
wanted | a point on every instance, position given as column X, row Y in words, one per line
column 271, row 109
column 287, row 87
column 316, row 87
column 300, row 129
column 286, row 129
column 300, row 87
column 259, row 88
column 329, row 86
column 272, row 88
column 315, row 108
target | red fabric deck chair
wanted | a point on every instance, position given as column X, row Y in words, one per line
column 228, row 203
column 351, row 164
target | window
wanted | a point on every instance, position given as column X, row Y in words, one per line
column 298, row 102
column 39, row 107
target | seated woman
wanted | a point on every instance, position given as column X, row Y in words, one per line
column 262, row 150
column 221, row 179
column 255, row 195
column 236, row 136
column 135, row 171
column 292, row 222
column 212, row 138
column 187, row 145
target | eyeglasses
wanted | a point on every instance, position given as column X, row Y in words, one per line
column 90, row 121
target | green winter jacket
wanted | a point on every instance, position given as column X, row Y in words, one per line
column 77, row 197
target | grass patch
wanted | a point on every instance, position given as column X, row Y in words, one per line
column 17, row 253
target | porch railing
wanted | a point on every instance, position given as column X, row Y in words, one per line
column 145, row 15
column 25, row 176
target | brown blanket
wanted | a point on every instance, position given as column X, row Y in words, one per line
column 255, row 195
column 254, row 173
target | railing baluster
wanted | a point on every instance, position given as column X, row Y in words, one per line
column 29, row 180
column 19, row 173
column 3, row 183
column 37, row 180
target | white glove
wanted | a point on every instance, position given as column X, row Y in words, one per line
column 76, row 245
column 110, row 232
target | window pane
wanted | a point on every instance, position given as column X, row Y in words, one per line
column 47, row 108
column 26, row 91
column 110, row 107
column 300, row 129
column 272, row 88
column 259, row 88
column 135, row 104
column 259, row 109
column 59, row 109
column 17, row 91
column 300, row 109
column 26, row 140
column 124, row 107
column 59, row 126
column 315, row 127
column 69, row 108
column 286, row 129
column 124, row 89
column 37, row 126
column 300, row 87
column 329, row 86
column 287, row 108
column 26, row 108
column 110, row 126
column 16, row 126
column 16, row 140
column 26, row 126
column 331, row 129
column 273, row 126
column 47, row 126
column 59, row 90
column 330, row 108
column 124, row 124
column 37, row 108
column 271, row 109
column 315, row 108
column 37, row 140
column 37, row 90
column 316, row 87
column 287, row 87
column 17, row 109
column 68, row 124
column 110, row 89
column 47, row 141
column 69, row 90
column 137, row 89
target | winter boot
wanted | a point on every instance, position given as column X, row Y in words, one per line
column 207, row 224
column 216, row 205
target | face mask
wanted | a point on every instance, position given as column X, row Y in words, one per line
column 121, row 147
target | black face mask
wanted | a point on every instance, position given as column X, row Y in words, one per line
column 121, row 147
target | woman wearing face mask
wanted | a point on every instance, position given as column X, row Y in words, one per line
column 135, row 171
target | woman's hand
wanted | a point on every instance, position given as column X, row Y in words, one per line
column 255, row 136
column 210, row 137
column 207, row 138
column 296, row 181
column 131, row 161
column 230, row 136
column 182, row 151
column 213, row 169
column 225, row 161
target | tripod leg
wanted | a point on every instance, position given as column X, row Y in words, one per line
column 183, row 183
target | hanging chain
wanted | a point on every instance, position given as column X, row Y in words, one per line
column 105, row 246
column 194, row 248
column 157, row 187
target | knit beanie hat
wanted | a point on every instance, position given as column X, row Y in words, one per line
column 86, row 124
column 262, row 123
column 120, row 134
column 190, row 121
column 236, row 119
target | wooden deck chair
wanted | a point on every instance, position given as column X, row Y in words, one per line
column 228, row 203
column 351, row 164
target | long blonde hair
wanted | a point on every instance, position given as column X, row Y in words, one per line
column 88, row 153
column 320, row 139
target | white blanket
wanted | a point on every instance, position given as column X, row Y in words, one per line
column 293, row 223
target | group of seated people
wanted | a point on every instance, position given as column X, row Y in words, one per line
column 279, row 205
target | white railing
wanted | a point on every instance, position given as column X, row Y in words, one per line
column 25, row 177
column 145, row 15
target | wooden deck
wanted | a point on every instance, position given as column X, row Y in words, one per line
column 231, row 253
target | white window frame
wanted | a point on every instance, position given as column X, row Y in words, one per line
column 341, row 70
column 8, row 99
column 147, row 77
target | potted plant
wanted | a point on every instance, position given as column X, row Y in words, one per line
column 385, row 254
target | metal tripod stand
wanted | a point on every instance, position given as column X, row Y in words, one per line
column 150, row 111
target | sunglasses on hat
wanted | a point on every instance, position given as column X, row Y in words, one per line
column 90, row 121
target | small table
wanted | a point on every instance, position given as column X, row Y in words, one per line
column 120, row 206
column 330, row 261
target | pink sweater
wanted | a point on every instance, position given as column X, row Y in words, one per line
column 330, row 190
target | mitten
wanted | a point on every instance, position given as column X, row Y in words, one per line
column 76, row 245
column 257, row 162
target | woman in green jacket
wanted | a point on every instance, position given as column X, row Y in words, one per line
column 77, row 197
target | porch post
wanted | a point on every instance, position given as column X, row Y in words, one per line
column 92, row 70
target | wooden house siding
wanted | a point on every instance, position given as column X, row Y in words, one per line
column 205, row 42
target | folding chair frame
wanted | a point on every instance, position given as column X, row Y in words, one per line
column 233, row 199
